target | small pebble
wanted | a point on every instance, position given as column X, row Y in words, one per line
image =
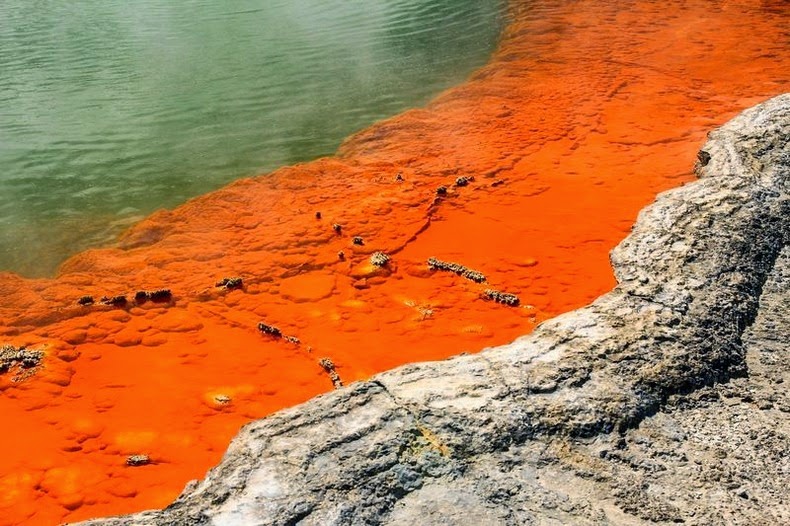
column 222, row 399
column 138, row 460
column 85, row 300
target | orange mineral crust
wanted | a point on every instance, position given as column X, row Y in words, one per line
column 584, row 113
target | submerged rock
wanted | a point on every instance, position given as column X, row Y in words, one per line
column 635, row 409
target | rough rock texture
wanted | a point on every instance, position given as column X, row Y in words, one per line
column 662, row 402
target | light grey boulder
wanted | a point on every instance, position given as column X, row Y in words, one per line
column 664, row 401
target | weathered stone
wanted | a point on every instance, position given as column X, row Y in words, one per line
column 138, row 460
column 502, row 297
column 379, row 259
column 271, row 330
column 230, row 283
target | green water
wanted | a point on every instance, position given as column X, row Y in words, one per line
column 110, row 109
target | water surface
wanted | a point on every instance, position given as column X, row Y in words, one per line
column 110, row 109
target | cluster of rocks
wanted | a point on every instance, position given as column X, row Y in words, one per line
column 140, row 297
column 379, row 259
column 464, row 180
column 443, row 191
column 275, row 332
column 271, row 330
column 11, row 356
column 156, row 296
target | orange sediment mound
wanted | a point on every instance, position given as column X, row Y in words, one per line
column 586, row 111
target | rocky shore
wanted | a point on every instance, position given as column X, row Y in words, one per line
column 450, row 228
column 664, row 401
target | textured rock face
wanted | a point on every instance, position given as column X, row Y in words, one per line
column 663, row 401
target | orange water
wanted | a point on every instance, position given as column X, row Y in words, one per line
column 585, row 112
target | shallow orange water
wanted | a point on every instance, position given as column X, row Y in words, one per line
column 585, row 112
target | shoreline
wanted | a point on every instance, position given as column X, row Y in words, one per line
column 148, row 378
column 554, row 427
column 158, row 142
